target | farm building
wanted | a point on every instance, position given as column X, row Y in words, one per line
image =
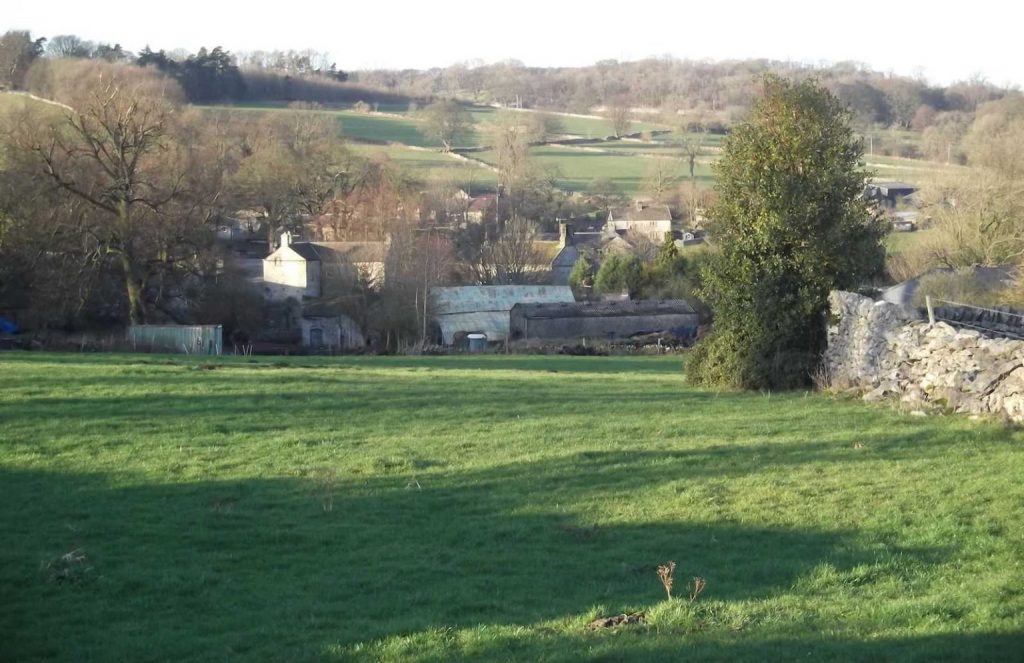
column 890, row 194
column 300, row 269
column 485, row 309
column 183, row 339
column 331, row 333
column 606, row 320
column 567, row 256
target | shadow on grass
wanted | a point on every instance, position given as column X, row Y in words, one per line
column 283, row 568
column 497, row 362
column 642, row 647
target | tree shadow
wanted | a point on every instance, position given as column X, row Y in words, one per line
column 258, row 567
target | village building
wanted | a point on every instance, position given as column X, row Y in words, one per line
column 567, row 256
column 484, row 309
column 481, row 208
column 301, row 269
column 651, row 220
column 608, row 320
column 330, row 333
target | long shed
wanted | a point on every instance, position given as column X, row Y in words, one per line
column 485, row 309
column 182, row 339
column 607, row 320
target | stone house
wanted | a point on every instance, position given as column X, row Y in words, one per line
column 301, row 269
column 651, row 220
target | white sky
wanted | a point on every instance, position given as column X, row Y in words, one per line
column 942, row 40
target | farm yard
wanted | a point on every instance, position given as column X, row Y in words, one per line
column 427, row 509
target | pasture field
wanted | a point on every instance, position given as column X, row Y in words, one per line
column 576, row 168
column 368, row 127
column 914, row 171
column 425, row 166
column 488, row 508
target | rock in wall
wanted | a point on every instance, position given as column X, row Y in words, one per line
column 877, row 349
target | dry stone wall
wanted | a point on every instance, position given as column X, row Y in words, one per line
column 879, row 350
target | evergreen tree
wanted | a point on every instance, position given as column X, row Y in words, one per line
column 792, row 224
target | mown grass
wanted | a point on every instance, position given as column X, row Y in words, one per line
column 435, row 509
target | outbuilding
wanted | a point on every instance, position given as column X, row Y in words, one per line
column 609, row 320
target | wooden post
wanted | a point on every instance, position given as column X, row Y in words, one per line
column 931, row 311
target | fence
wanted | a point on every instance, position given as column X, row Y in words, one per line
column 1002, row 321
column 185, row 339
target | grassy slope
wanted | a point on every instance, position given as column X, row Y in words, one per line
column 488, row 508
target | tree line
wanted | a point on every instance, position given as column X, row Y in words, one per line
column 206, row 76
column 725, row 89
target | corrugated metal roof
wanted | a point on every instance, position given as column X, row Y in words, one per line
column 485, row 308
column 473, row 298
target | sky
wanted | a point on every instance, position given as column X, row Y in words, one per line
column 939, row 40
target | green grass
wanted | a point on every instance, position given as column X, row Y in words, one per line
column 577, row 168
column 360, row 126
column 488, row 508
column 914, row 171
column 897, row 242
column 587, row 127
column 425, row 166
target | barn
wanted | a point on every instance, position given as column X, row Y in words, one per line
column 485, row 309
column 602, row 320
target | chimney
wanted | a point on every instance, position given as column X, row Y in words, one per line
column 564, row 235
column 286, row 238
column 639, row 205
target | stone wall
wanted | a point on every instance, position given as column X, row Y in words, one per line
column 878, row 350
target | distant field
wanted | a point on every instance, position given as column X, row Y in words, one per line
column 364, row 126
column 427, row 165
column 913, row 171
column 488, row 508
column 578, row 168
column 584, row 127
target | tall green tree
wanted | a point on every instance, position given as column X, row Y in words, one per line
column 792, row 224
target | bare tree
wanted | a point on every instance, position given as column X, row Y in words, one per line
column 661, row 178
column 447, row 122
column 296, row 164
column 618, row 113
column 118, row 153
column 69, row 46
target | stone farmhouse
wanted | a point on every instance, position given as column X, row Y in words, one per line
column 651, row 220
column 301, row 269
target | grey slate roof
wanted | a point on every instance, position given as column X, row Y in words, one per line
column 647, row 213
column 356, row 252
column 605, row 309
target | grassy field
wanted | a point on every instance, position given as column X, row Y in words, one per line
column 624, row 162
column 428, row 165
column 577, row 168
column 437, row 509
